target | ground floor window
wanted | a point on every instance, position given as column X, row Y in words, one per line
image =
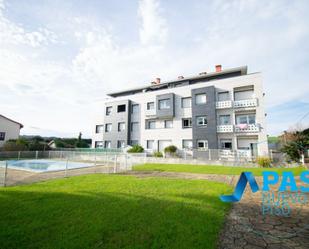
column 134, row 142
column 187, row 144
column 2, row 136
column 108, row 144
column 226, row 144
column 121, row 144
column 202, row 144
column 150, row 144
column 98, row 144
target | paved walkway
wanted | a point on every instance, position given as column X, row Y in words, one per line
column 246, row 227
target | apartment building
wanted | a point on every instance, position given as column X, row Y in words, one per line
column 9, row 129
column 221, row 110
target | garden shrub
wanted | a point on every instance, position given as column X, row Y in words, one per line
column 157, row 154
column 170, row 149
column 264, row 162
column 136, row 149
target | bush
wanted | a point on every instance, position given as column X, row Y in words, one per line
column 264, row 162
column 170, row 149
column 136, row 149
column 157, row 154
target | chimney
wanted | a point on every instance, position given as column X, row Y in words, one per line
column 218, row 68
column 180, row 77
column 202, row 73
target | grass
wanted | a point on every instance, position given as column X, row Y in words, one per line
column 210, row 169
column 112, row 211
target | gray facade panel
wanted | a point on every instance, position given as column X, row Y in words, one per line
column 114, row 118
column 208, row 109
column 165, row 113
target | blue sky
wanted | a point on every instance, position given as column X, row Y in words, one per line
column 58, row 59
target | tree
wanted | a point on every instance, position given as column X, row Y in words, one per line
column 80, row 143
column 295, row 144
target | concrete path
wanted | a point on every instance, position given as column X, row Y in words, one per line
column 245, row 226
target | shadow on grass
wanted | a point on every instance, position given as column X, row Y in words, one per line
column 31, row 219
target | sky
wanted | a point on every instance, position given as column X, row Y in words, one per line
column 59, row 58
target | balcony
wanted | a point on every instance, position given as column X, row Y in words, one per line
column 242, row 128
column 224, row 104
column 150, row 113
column 225, row 128
column 245, row 103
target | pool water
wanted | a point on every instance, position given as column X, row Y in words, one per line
column 45, row 165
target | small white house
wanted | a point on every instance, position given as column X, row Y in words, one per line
column 9, row 129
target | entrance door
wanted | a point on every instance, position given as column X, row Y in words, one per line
column 253, row 149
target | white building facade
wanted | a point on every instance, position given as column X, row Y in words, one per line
column 222, row 110
column 9, row 129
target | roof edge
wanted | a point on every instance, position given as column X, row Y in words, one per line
column 21, row 125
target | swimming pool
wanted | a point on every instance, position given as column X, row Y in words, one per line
column 43, row 165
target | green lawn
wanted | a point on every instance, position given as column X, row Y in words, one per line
column 112, row 211
column 210, row 169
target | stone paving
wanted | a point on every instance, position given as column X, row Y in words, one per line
column 246, row 227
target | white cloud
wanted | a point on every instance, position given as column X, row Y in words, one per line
column 153, row 28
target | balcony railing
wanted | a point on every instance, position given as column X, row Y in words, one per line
column 224, row 104
column 247, row 128
column 245, row 103
column 225, row 128
column 151, row 112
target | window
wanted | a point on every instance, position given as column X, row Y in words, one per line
column 187, row 144
column 99, row 128
column 98, row 144
column 168, row 124
column 245, row 119
column 202, row 144
column 223, row 96
column 108, row 110
column 242, row 95
column 108, row 127
column 201, row 121
column 226, row 144
column 121, row 108
column 150, row 144
column 187, row 123
column 224, row 119
column 150, row 124
column 134, row 142
column 121, row 126
column 135, row 108
column 164, row 104
column 134, row 126
column 120, row 144
column 150, row 105
column 186, row 102
column 107, row 144
column 200, row 98
column 2, row 136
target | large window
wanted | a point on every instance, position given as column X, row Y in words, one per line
column 134, row 142
column 121, row 108
column 99, row 128
column 135, row 108
column 224, row 120
column 168, row 124
column 108, row 110
column 226, row 144
column 164, row 104
column 200, row 98
column 98, row 144
column 187, row 123
column 108, row 127
column 107, row 144
column 245, row 119
column 121, row 126
column 223, row 96
column 121, row 144
column 202, row 144
column 2, row 136
column 150, row 105
column 201, row 121
column 186, row 102
column 150, row 144
column 187, row 144
column 134, row 126
column 150, row 124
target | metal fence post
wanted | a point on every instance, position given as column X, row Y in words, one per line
column 115, row 164
column 209, row 155
column 36, row 154
column 18, row 155
column 126, row 163
column 95, row 158
column 66, row 167
column 5, row 173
